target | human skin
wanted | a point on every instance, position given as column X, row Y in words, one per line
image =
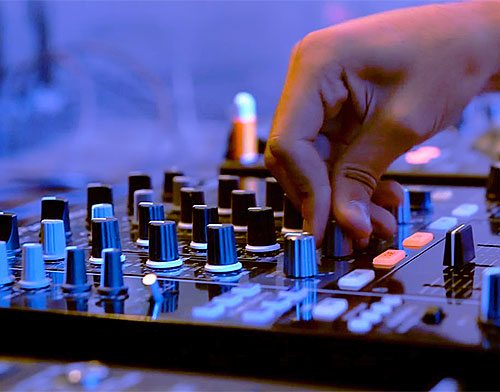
column 359, row 94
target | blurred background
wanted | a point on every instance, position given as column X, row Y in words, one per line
column 90, row 90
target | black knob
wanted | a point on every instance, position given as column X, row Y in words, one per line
column 98, row 193
column 261, row 235
column 420, row 200
column 112, row 284
column 241, row 201
column 163, row 245
column 168, row 184
column 490, row 296
column 203, row 215
column 274, row 196
column 493, row 183
column 179, row 182
column 459, row 246
column 292, row 218
column 434, row 315
column 189, row 198
column 9, row 232
column 148, row 212
column 227, row 184
column 56, row 208
column 335, row 243
column 136, row 181
column 75, row 274
column 221, row 251
column 105, row 234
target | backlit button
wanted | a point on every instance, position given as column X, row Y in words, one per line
column 359, row 325
column 465, row 210
column 389, row 258
column 258, row 316
column 279, row 304
column 392, row 300
column 381, row 308
column 229, row 300
column 247, row 290
column 294, row 295
column 356, row 280
column 418, row 239
column 209, row 311
column 371, row 316
column 329, row 309
column 443, row 223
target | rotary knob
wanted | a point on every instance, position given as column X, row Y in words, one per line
column 75, row 274
column 292, row 218
column 141, row 196
column 6, row 278
column 105, row 234
column 490, row 296
column 227, row 184
column 56, row 208
column 168, row 184
column 163, row 245
column 459, row 246
column 202, row 216
column 136, row 181
column 189, row 198
column 53, row 239
column 221, row 250
column 241, row 201
column 179, row 182
column 493, row 183
column 9, row 233
column 103, row 210
column 420, row 200
column 112, row 284
column 148, row 212
column 300, row 255
column 274, row 196
column 98, row 193
column 335, row 243
column 33, row 273
column 402, row 213
column 261, row 235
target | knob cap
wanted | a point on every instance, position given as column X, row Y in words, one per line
column 402, row 213
column 75, row 274
column 221, row 249
column 136, row 181
column 168, row 184
column 241, row 201
column 6, row 278
column 163, row 245
column 148, row 212
column 493, row 183
column 97, row 193
column 292, row 218
column 56, row 208
column 202, row 216
column 9, row 233
column 274, row 196
column 490, row 296
column 111, row 274
column 104, row 210
column 335, row 243
column 105, row 234
column 227, row 184
column 300, row 255
column 459, row 246
column 53, row 239
column 179, row 183
column 141, row 196
column 33, row 275
column 420, row 200
column 189, row 198
column 261, row 236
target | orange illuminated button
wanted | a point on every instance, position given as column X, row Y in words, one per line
column 418, row 239
column 389, row 258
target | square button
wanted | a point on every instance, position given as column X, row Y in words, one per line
column 418, row 239
column 389, row 258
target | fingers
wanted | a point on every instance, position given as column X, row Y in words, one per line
column 388, row 194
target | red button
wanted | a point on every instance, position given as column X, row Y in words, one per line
column 389, row 258
column 418, row 239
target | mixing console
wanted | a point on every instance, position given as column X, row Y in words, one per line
column 226, row 281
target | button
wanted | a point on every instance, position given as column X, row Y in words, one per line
column 258, row 316
column 465, row 210
column 229, row 299
column 418, row 239
column 359, row 325
column 210, row 311
column 443, row 223
column 329, row 309
column 433, row 315
column 381, row 308
column 279, row 304
column 371, row 316
column 295, row 295
column 389, row 258
column 356, row 280
column 392, row 300
column 247, row 290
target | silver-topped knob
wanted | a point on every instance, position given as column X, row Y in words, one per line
column 335, row 243
column 300, row 255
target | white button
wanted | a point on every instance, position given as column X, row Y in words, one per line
column 465, row 210
column 443, row 223
column 381, row 308
column 279, row 304
column 209, row 311
column 258, row 316
column 228, row 299
column 392, row 300
column 359, row 325
column 294, row 295
column 356, row 280
column 329, row 309
column 247, row 289
column 371, row 316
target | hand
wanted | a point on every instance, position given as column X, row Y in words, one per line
column 360, row 94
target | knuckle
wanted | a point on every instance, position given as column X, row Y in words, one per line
column 275, row 151
column 317, row 50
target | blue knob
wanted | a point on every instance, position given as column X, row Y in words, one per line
column 490, row 296
column 75, row 274
column 53, row 239
column 111, row 274
column 33, row 274
column 9, row 233
column 6, row 278
column 56, row 208
column 102, row 210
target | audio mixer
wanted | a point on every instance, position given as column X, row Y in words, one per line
column 218, row 276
